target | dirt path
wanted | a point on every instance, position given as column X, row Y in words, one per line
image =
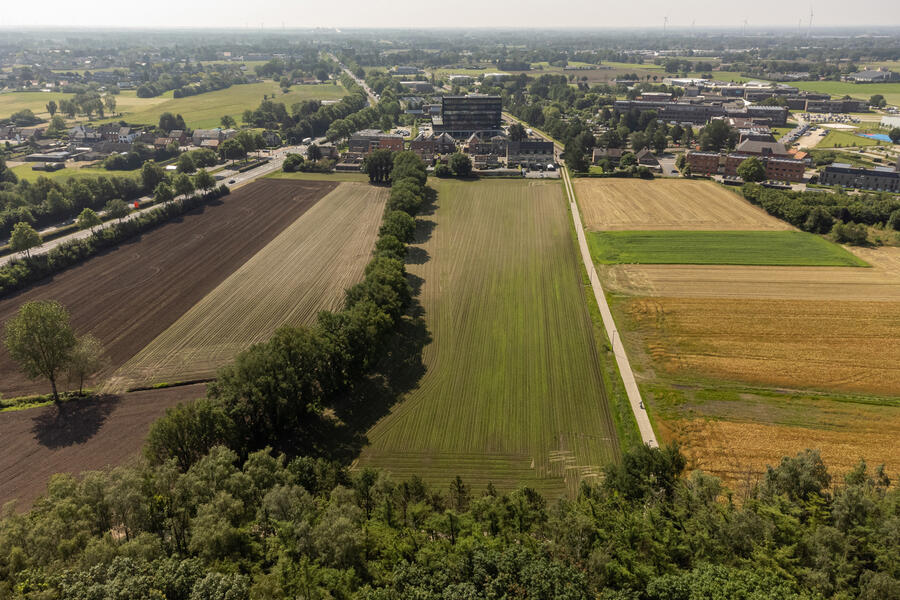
column 76, row 437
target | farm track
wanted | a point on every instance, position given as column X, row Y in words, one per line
column 76, row 437
column 667, row 204
column 512, row 392
column 298, row 274
column 129, row 294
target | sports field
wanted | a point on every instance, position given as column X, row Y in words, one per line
column 776, row 248
column 301, row 272
column 512, row 392
column 200, row 111
column 25, row 172
column 670, row 204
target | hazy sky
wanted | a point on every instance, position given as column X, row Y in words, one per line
column 421, row 13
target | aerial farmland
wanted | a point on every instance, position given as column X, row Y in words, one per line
column 512, row 391
column 749, row 340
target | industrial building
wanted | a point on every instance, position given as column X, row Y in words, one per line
column 879, row 179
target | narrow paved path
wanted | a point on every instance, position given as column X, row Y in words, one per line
column 631, row 388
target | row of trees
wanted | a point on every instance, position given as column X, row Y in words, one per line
column 276, row 392
column 270, row 527
column 819, row 212
column 15, row 275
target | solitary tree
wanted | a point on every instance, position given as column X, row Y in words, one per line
column 461, row 164
column 751, row 170
column 109, row 101
column 313, row 153
column 41, row 339
column 877, row 101
column 894, row 134
column 186, row 164
column 517, row 132
column 85, row 360
column 88, row 219
column 228, row 122
column 52, row 107
column 24, row 238
column 116, row 209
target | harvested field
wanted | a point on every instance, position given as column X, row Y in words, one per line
column 738, row 452
column 879, row 283
column 776, row 248
column 77, row 436
column 132, row 293
column 851, row 346
column 667, row 204
column 301, row 272
column 512, row 392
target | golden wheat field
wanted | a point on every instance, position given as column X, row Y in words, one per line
column 667, row 204
column 738, row 452
column 798, row 344
column 301, row 272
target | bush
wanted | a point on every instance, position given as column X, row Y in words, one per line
column 854, row 234
column 442, row 170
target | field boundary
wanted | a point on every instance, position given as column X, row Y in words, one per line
column 631, row 387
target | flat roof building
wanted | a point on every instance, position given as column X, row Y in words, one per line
column 881, row 179
column 461, row 116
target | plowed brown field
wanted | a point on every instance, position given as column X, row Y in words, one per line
column 77, row 436
column 667, row 204
column 301, row 272
column 130, row 294
column 846, row 346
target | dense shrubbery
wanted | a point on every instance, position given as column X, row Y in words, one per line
column 270, row 527
column 818, row 211
column 17, row 274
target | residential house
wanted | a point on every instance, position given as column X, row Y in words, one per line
column 613, row 155
column 646, row 158
column 533, row 154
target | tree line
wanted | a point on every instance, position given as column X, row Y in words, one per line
column 269, row 527
column 276, row 392
column 825, row 212
column 17, row 274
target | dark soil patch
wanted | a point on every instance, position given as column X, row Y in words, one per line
column 128, row 295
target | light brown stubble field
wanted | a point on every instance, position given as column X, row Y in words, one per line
column 667, row 204
column 298, row 274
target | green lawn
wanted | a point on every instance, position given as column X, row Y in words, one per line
column 336, row 176
column 205, row 110
column 774, row 248
column 25, row 172
column 512, row 391
column 841, row 139
column 864, row 91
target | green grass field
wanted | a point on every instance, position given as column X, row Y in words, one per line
column 200, row 111
column 205, row 110
column 512, row 391
column 336, row 176
column 25, row 172
column 773, row 248
column 864, row 91
column 843, row 139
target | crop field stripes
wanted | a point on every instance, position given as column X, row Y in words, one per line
column 298, row 274
column 513, row 392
